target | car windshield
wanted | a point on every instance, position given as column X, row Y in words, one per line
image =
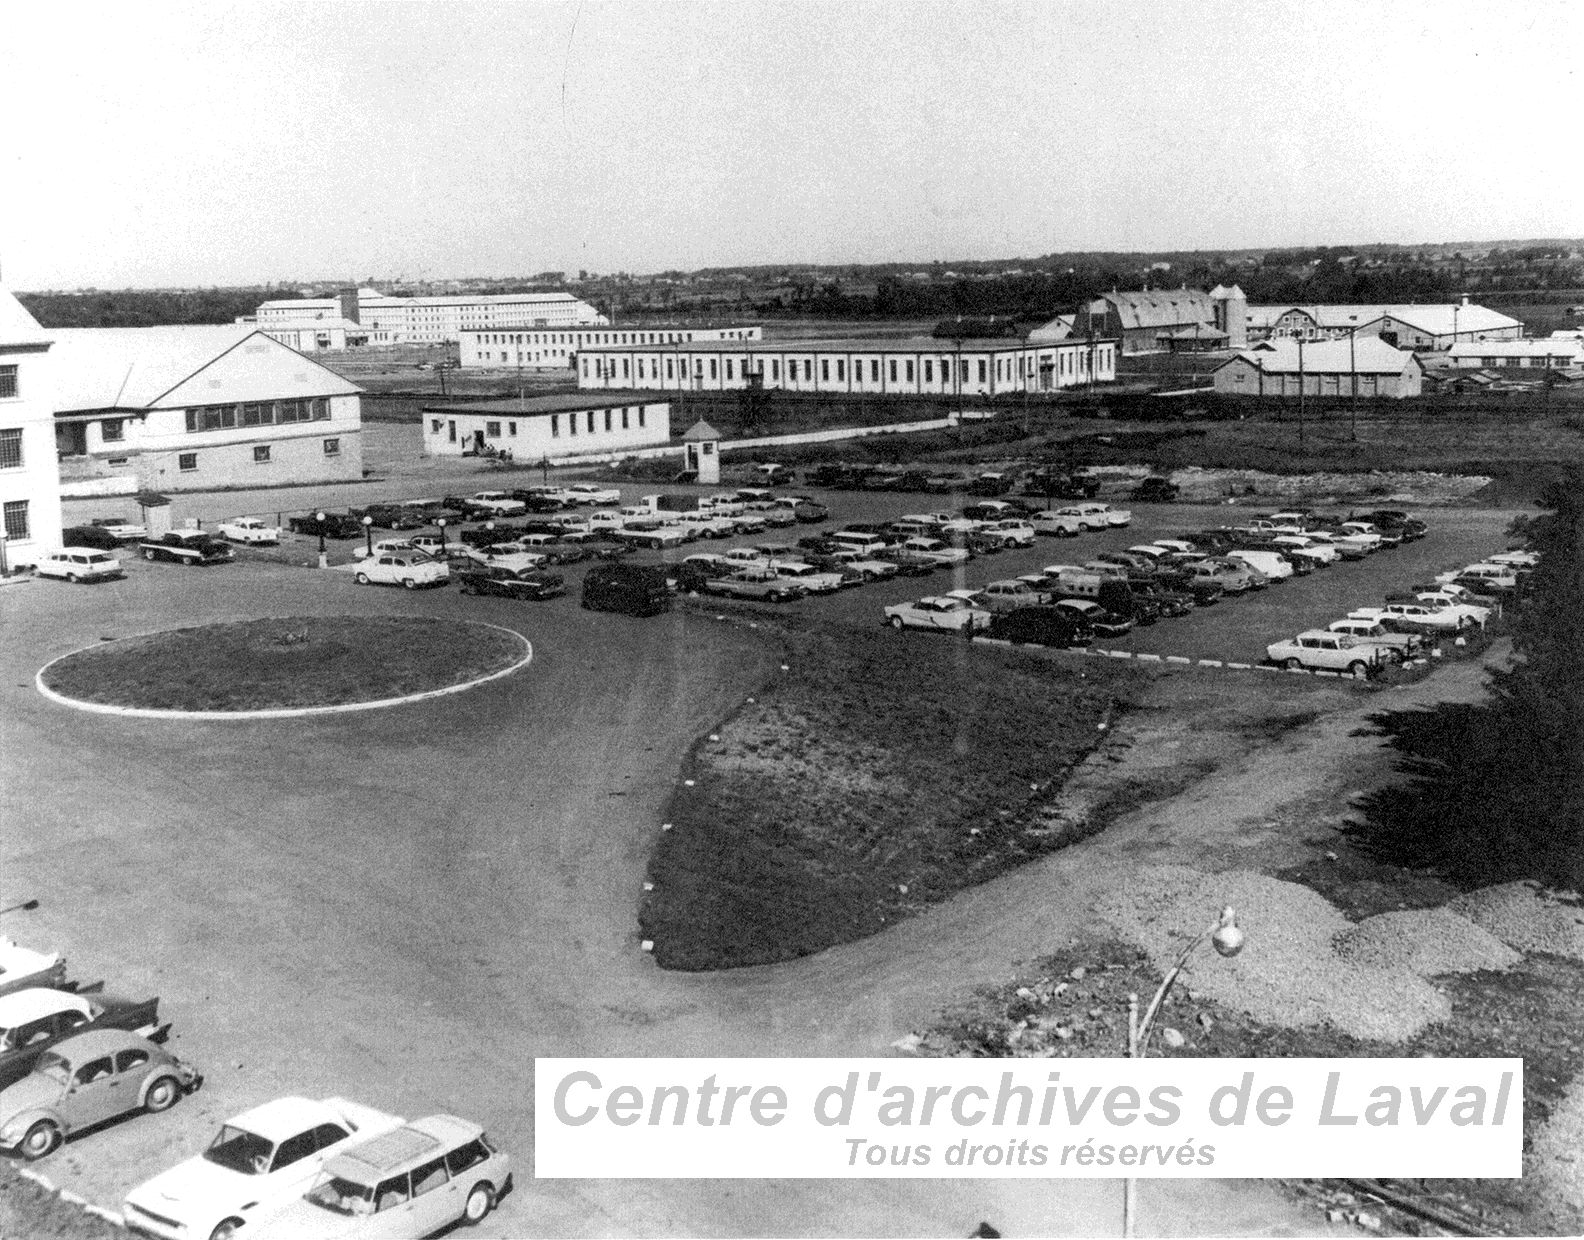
column 53, row 1066
column 342, row 1196
column 237, row 1149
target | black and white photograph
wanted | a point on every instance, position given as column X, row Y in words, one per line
column 750, row 618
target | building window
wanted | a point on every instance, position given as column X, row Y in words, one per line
column 187, row 462
column 332, row 447
column 712, row 368
column 841, row 370
column 590, row 421
column 908, row 368
column 874, row 370
column 16, row 519
column 112, row 430
column 607, row 419
column 511, row 428
column 929, row 371
column 728, row 368
column 669, row 372
column 640, row 415
column 8, row 382
column 11, row 449
column 624, row 419
column 436, row 425
column 981, row 370
column 572, row 424
column 825, row 369
column 775, row 371
column 891, row 370
column 555, row 426
column 492, row 430
column 261, row 454
column 321, row 409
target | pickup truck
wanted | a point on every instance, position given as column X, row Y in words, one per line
column 758, row 583
column 186, row 547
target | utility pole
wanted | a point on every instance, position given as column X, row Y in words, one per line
column 1353, row 374
column 1300, row 394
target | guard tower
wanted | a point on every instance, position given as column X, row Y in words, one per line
column 701, row 443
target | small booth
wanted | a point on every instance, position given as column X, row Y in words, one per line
column 701, row 446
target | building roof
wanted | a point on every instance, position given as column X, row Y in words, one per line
column 700, row 431
column 1159, row 307
column 612, row 327
column 134, row 367
column 373, row 295
column 17, row 326
column 1059, row 328
column 310, row 324
column 541, row 406
column 921, row 345
column 1221, row 291
column 1364, row 355
column 1435, row 320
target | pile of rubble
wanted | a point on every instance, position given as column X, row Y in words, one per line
column 1377, row 486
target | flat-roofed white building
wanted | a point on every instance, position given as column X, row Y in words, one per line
column 431, row 320
column 1428, row 327
column 922, row 366
column 548, row 427
column 317, row 335
column 545, row 348
column 193, row 408
column 30, row 497
column 1366, row 366
column 1553, row 354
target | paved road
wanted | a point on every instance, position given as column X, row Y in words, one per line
column 408, row 906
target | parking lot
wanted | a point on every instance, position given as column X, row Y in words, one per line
column 425, row 899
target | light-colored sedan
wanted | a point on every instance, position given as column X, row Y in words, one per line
column 807, row 576
column 589, row 493
column 1370, row 633
column 1097, row 516
column 870, row 568
column 401, row 1185
column 1010, row 532
column 79, row 564
column 1320, row 648
column 410, row 570
column 387, row 546
column 249, row 530
column 1060, row 523
column 949, row 614
column 936, row 551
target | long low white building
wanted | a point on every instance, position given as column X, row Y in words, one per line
column 193, row 408
column 1429, row 327
column 1367, row 367
column 1557, row 353
column 546, row 427
column 545, row 348
column 921, row 366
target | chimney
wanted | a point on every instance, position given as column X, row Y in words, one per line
column 1465, row 299
column 349, row 304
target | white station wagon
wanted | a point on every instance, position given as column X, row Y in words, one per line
column 79, row 564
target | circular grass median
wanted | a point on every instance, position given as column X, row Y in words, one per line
column 284, row 664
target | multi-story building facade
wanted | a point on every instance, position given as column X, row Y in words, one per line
column 29, row 476
column 922, row 366
column 431, row 320
column 545, row 348
column 193, row 408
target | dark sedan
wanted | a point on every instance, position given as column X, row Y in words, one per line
column 90, row 536
column 32, row 1021
column 501, row 582
column 1041, row 626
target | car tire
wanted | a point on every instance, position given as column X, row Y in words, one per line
column 479, row 1203
column 896, row 622
column 73, row 578
column 362, row 579
column 163, row 1093
column 1293, row 665
column 1357, row 668
column 409, row 584
column 41, row 1139
column 148, row 553
column 226, row 1229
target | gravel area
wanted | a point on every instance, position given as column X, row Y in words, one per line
column 1428, row 941
column 1524, row 916
column 1555, row 1162
column 1289, row 972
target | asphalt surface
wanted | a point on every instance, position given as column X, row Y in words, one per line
column 407, row 906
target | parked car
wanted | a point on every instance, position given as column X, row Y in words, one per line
column 1514, row 559
column 756, row 583
column 84, row 1080
column 496, row 504
column 870, row 568
column 934, row 550
column 808, row 511
column 186, row 547
column 76, row 564
column 1010, row 532
column 1371, row 633
column 1010, row 595
column 1041, row 626
column 33, row 1020
column 631, row 589
column 409, row 1183
column 806, row 575
column 1274, row 565
column 504, row 583
column 1320, row 648
column 120, row 527
column 1417, row 617
column 334, row 525
column 22, row 968
column 258, row 1164
column 950, row 614
column 91, row 537
column 1095, row 618
column 1233, row 576
column 249, row 530
column 1097, row 516
column 395, row 546
column 386, row 517
column 1156, row 490
column 657, row 537
column 773, row 474
column 1061, row 523
column 592, row 493
column 408, row 569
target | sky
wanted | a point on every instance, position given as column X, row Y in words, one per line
column 176, row 144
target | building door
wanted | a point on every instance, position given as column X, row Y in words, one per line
column 1046, row 370
column 451, row 429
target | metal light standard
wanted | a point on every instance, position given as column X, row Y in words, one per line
column 324, row 555
column 368, row 536
column 440, row 524
column 1227, row 939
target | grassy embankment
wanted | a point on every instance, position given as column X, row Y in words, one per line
column 878, row 775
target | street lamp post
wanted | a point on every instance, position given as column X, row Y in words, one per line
column 1227, row 939
column 368, row 535
column 440, row 524
column 324, row 555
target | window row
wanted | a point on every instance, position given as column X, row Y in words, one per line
column 263, row 454
column 258, row 413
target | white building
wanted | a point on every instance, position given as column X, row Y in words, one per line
column 29, row 476
column 316, row 335
column 1366, row 366
column 922, row 366
column 1429, row 327
column 545, row 348
column 431, row 320
column 1552, row 354
column 547, row 427
column 193, row 408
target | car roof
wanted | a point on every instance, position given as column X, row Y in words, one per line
column 94, row 1042
column 21, row 1006
column 410, row 1144
column 286, row 1117
column 1317, row 633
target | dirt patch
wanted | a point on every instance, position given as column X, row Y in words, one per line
column 291, row 662
column 31, row 1210
column 876, row 776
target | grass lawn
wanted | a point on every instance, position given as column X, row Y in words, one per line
column 284, row 662
column 881, row 773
